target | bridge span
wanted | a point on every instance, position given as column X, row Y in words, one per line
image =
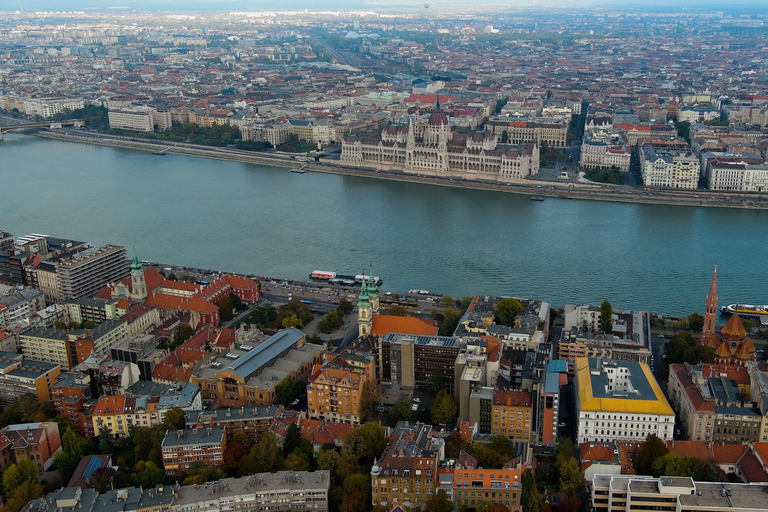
column 51, row 125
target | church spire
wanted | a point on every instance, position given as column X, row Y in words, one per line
column 710, row 314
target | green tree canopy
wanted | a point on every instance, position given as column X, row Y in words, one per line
column 508, row 309
column 147, row 474
column 226, row 307
column 651, row 450
column 398, row 310
column 606, row 312
column 345, row 307
column 571, row 476
column 531, row 497
column 264, row 457
column 357, row 494
column 174, row 419
column 439, row 502
column 444, row 409
column 366, row 443
column 287, row 390
column 682, row 348
column 695, row 322
column 401, row 411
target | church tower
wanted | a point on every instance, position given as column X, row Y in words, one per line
column 373, row 293
column 711, row 312
column 364, row 312
column 138, row 284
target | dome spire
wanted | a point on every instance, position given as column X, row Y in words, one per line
column 135, row 263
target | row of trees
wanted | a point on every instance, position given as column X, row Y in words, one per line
column 654, row 458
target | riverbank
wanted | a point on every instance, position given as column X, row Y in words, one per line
column 594, row 192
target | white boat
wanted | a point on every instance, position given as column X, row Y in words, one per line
column 322, row 274
column 298, row 170
column 745, row 310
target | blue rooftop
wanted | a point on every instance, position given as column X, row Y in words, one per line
column 271, row 348
column 557, row 366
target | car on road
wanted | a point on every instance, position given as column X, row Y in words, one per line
column 561, row 425
column 415, row 407
column 417, row 400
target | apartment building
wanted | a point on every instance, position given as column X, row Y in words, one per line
column 183, row 447
column 37, row 442
column 85, row 273
column 407, row 472
column 736, row 175
column 71, row 395
column 473, row 486
column 138, row 350
column 605, row 149
column 20, row 306
column 19, row 376
column 512, row 414
column 335, row 394
column 709, row 401
column 49, row 107
column 625, row 493
column 523, row 129
column 285, row 491
column 116, row 414
column 70, row 348
column 251, row 421
column 669, row 168
column 409, row 361
column 620, row 400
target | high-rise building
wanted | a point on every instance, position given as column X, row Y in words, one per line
column 85, row 273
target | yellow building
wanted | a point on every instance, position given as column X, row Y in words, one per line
column 620, row 400
column 116, row 414
column 511, row 415
column 334, row 394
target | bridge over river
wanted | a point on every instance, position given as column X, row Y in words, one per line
column 52, row 125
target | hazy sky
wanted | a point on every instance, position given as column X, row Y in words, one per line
column 380, row 5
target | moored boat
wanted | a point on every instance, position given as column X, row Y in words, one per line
column 745, row 310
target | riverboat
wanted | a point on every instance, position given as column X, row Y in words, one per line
column 745, row 310
column 537, row 198
column 322, row 274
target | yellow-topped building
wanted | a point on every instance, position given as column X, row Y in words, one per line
column 620, row 400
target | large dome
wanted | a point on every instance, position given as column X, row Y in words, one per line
column 437, row 119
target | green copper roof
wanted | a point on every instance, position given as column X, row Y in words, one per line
column 135, row 263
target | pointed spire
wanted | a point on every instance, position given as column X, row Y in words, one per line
column 710, row 314
column 135, row 263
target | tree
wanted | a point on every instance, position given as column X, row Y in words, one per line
column 175, row 419
column 502, row 445
column 185, row 332
column 292, row 439
column 530, row 498
column 447, row 300
column 398, row 310
column 200, row 472
column 652, row 449
column 147, row 474
column 236, row 301
column 236, row 449
column 436, row 381
column 682, row 348
column 444, row 409
column 286, row 390
column 345, row 307
column 264, row 457
column 104, row 479
column 172, row 277
column 292, row 321
column 356, row 494
column 328, row 460
column 295, row 462
column 401, row 411
column 571, row 476
column 226, row 308
column 367, row 442
column 295, row 307
column 454, row 444
column 439, row 502
column 747, row 324
column 370, row 397
column 508, row 309
column 451, row 319
column 695, row 322
column 606, row 312
column 331, row 322
column 106, row 441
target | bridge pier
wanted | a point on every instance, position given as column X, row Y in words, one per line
column 1, row 135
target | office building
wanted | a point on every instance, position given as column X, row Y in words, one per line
column 409, row 361
column 670, row 168
column 138, row 119
column 619, row 400
column 70, row 348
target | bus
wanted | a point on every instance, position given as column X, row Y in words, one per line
column 306, row 301
column 393, row 302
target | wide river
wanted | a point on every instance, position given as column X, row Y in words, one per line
column 267, row 221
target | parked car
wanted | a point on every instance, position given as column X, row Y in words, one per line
column 417, row 400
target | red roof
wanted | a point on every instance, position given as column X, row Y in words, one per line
column 385, row 324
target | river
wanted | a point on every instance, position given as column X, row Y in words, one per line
column 267, row 221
